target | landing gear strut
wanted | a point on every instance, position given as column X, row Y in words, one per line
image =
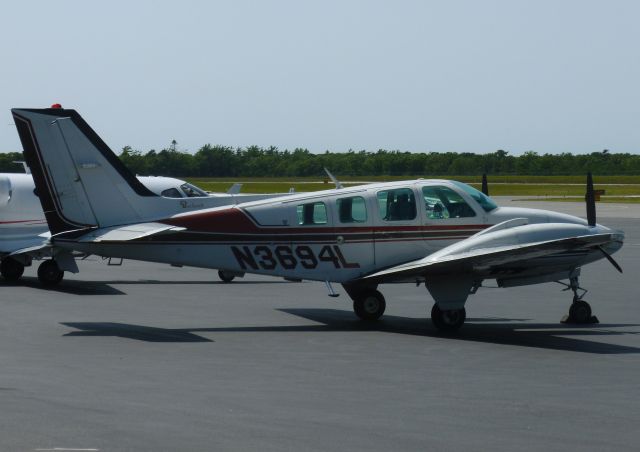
column 449, row 320
column 11, row 269
column 580, row 310
column 49, row 273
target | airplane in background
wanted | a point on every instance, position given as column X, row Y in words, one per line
column 440, row 233
column 24, row 234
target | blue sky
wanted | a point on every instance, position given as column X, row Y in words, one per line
column 467, row 76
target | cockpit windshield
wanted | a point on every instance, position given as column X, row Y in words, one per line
column 485, row 202
column 192, row 191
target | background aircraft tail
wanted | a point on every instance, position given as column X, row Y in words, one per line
column 81, row 183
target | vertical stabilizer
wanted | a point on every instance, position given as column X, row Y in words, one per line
column 81, row 183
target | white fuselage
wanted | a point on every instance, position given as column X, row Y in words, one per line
column 328, row 241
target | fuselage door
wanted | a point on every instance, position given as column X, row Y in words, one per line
column 449, row 216
column 397, row 228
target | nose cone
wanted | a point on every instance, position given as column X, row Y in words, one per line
column 617, row 240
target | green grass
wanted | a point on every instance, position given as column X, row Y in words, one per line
column 555, row 187
column 467, row 179
column 558, row 190
column 612, row 199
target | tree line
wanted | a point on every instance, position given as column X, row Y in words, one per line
column 254, row 161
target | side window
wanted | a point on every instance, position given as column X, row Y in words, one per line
column 352, row 210
column 442, row 202
column 171, row 193
column 397, row 205
column 192, row 191
column 312, row 213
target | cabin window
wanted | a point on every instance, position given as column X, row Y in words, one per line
column 192, row 191
column 397, row 205
column 312, row 213
column 171, row 193
column 485, row 202
column 443, row 202
column 352, row 210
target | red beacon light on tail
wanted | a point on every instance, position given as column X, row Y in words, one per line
column 56, row 106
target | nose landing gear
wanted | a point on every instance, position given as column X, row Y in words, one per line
column 580, row 310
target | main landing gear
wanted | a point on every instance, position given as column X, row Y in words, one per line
column 368, row 303
column 447, row 320
column 580, row 310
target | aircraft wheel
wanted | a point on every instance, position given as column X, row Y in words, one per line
column 11, row 269
column 369, row 305
column 49, row 274
column 225, row 276
column 447, row 320
column 580, row 312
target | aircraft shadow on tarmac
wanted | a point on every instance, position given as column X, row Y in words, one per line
column 71, row 287
column 516, row 332
column 168, row 283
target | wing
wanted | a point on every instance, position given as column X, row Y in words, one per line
column 479, row 254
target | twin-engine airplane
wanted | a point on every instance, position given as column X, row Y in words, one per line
column 442, row 233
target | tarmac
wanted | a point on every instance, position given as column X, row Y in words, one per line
column 147, row 357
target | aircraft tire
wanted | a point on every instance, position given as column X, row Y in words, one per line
column 49, row 274
column 225, row 276
column 580, row 312
column 11, row 269
column 447, row 321
column 369, row 305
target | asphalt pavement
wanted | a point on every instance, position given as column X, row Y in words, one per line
column 147, row 357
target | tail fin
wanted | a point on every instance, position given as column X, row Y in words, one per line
column 81, row 183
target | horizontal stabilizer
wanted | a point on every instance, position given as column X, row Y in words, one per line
column 32, row 249
column 127, row 232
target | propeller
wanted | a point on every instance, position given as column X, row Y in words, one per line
column 485, row 184
column 591, row 202
column 591, row 217
column 610, row 259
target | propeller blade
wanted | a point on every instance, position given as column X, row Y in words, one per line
column 591, row 201
column 610, row 259
column 485, row 185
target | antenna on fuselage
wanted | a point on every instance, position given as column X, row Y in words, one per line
column 333, row 179
column 590, row 199
column 485, row 184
